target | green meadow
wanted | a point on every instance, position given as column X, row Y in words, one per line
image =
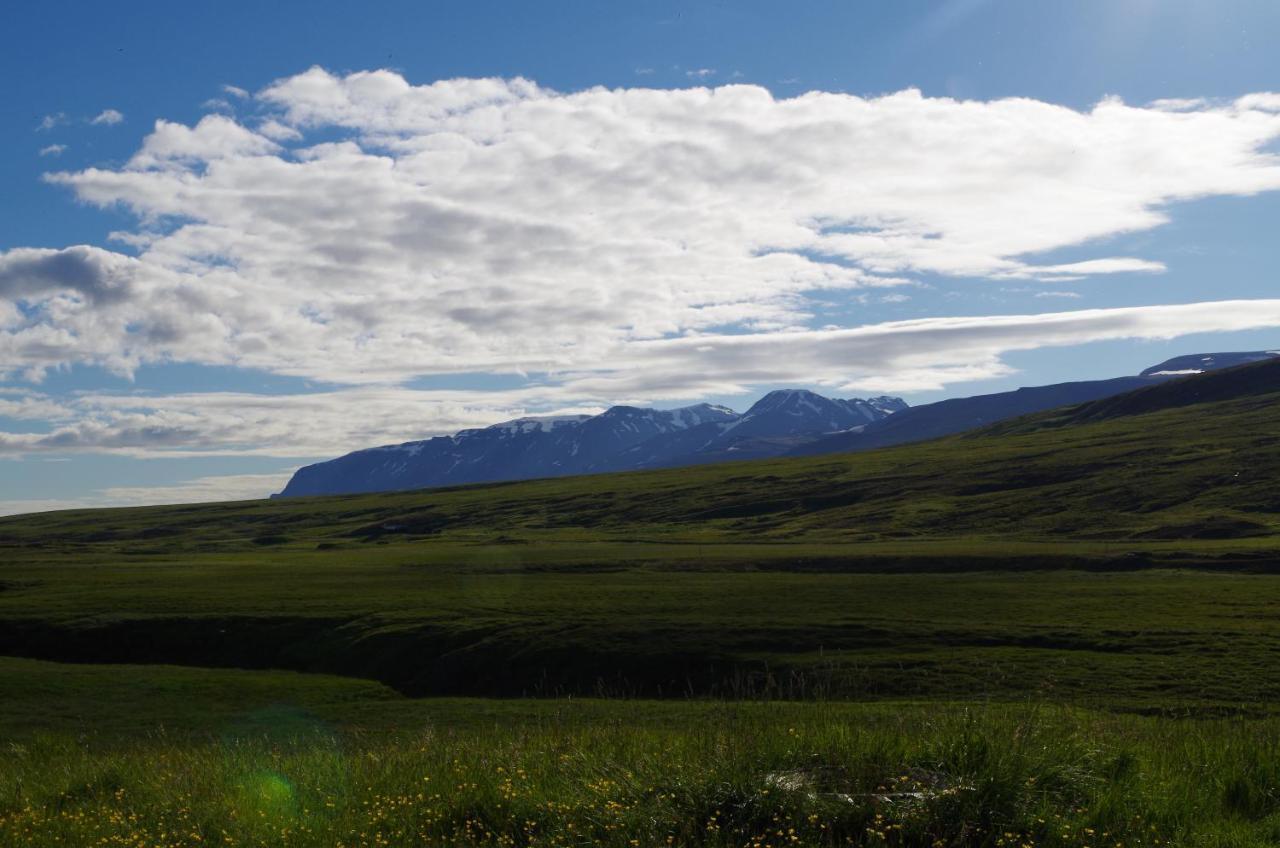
column 158, row 755
column 1058, row 631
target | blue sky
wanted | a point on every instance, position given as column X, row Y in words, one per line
column 451, row 268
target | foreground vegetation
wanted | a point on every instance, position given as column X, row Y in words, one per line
column 352, row 764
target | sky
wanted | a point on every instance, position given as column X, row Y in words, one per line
column 248, row 236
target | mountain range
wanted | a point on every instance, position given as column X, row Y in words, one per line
column 627, row 438
column 621, row 438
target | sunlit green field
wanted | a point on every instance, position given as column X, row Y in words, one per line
column 180, row 757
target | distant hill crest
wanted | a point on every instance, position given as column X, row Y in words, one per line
column 783, row 422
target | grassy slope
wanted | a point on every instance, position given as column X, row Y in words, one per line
column 787, row 575
column 1127, row 467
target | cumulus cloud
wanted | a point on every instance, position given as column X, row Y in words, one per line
column 367, row 230
column 102, row 275
column 215, row 138
column 107, row 117
column 1263, row 101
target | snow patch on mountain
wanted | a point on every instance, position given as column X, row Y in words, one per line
column 539, row 424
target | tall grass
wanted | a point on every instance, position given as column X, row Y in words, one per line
column 742, row 775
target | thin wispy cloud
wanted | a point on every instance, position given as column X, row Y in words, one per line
column 53, row 150
column 899, row 356
column 229, row 487
column 107, row 117
column 48, row 122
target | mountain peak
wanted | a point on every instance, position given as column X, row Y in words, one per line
column 784, row 398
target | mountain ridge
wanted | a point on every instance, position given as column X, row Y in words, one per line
column 958, row 415
column 620, row 438
column 784, row 422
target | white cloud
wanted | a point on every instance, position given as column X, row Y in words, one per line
column 700, row 73
column 53, row 150
column 235, row 91
column 28, row 273
column 277, row 131
column 177, row 147
column 241, row 423
column 48, row 122
column 900, row 356
column 25, row 405
column 493, row 225
column 895, row 357
column 1111, row 265
column 107, row 117
column 1179, row 104
column 1262, row 101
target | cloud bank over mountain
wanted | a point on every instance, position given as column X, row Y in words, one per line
column 604, row 246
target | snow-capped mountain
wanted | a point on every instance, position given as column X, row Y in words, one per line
column 778, row 423
column 619, row 439
column 627, row 438
column 789, row 412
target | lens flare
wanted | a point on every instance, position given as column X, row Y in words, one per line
column 267, row 792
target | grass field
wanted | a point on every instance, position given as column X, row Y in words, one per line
column 1109, row 552
column 1060, row 631
column 182, row 757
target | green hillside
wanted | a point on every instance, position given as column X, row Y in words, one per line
column 1138, row 466
column 898, row 573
